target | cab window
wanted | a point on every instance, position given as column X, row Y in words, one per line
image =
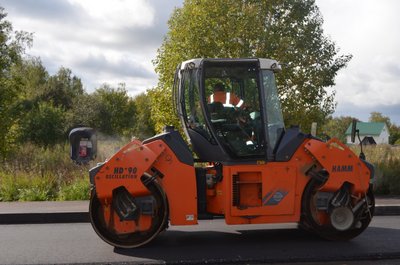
column 233, row 108
column 194, row 117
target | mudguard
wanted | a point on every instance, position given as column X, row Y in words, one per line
column 126, row 167
column 341, row 163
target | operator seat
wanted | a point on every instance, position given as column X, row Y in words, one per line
column 216, row 110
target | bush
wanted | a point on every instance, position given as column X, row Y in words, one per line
column 38, row 189
column 388, row 179
column 79, row 189
column 8, row 187
column 386, row 160
column 43, row 124
column 27, row 188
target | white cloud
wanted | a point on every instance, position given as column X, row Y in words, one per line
column 368, row 30
column 117, row 13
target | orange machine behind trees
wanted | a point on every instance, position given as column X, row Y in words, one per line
column 247, row 168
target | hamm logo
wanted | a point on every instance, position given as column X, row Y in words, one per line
column 342, row 168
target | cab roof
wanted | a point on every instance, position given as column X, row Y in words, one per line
column 268, row 64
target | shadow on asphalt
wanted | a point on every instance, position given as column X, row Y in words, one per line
column 278, row 245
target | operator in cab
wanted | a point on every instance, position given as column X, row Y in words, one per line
column 228, row 99
column 229, row 108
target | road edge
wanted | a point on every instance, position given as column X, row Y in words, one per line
column 83, row 217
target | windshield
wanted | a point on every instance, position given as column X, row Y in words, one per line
column 233, row 105
column 275, row 124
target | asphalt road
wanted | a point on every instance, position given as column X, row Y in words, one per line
column 211, row 242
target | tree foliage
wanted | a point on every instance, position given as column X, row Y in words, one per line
column 12, row 44
column 85, row 112
column 286, row 30
column 43, row 102
column 394, row 130
column 62, row 88
column 336, row 127
column 116, row 112
column 44, row 125
column 112, row 112
column 12, row 47
column 379, row 117
column 143, row 127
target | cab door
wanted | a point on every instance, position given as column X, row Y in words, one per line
column 232, row 107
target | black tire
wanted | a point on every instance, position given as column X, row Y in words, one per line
column 136, row 239
column 327, row 231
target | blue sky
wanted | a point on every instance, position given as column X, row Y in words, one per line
column 104, row 41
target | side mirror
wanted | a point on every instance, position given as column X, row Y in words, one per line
column 353, row 130
column 276, row 67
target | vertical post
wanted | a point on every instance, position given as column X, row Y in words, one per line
column 314, row 129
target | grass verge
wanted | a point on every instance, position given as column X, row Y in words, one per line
column 386, row 160
column 35, row 173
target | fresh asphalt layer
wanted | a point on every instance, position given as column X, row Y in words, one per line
column 77, row 211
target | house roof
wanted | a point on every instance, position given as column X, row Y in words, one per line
column 368, row 128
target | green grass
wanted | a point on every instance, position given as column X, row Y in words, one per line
column 34, row 173
column 27, row 188
column 8, row 187
column 78, row 189
column 42, row 188
column 386, row 160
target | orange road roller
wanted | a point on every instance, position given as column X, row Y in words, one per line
column 236, row 161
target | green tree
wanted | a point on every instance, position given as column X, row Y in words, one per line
column 110, row 111
column 379, row 117
column 31, row 77
column 117, row 111
column 286, row 30
column 336, row 127
column 39, row 93
column 143, row 127
column 86, row 111
column 12, row 47
column 394, row 130
column 44, row 125
column 38, row 119
column 62, row 88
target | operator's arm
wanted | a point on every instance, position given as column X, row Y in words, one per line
column 236, row 101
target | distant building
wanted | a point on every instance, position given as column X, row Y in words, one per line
column 370, row 133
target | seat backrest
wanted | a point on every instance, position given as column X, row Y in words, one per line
column 215, row 107
column 216, row 110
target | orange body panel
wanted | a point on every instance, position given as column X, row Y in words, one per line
column 127, row 166
column 342, row 165
column 266, row 192
column 179, row 183
column 125, row 169
column 279, row 188
column 216, row 199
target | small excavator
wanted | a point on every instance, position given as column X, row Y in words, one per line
column 239, row 163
